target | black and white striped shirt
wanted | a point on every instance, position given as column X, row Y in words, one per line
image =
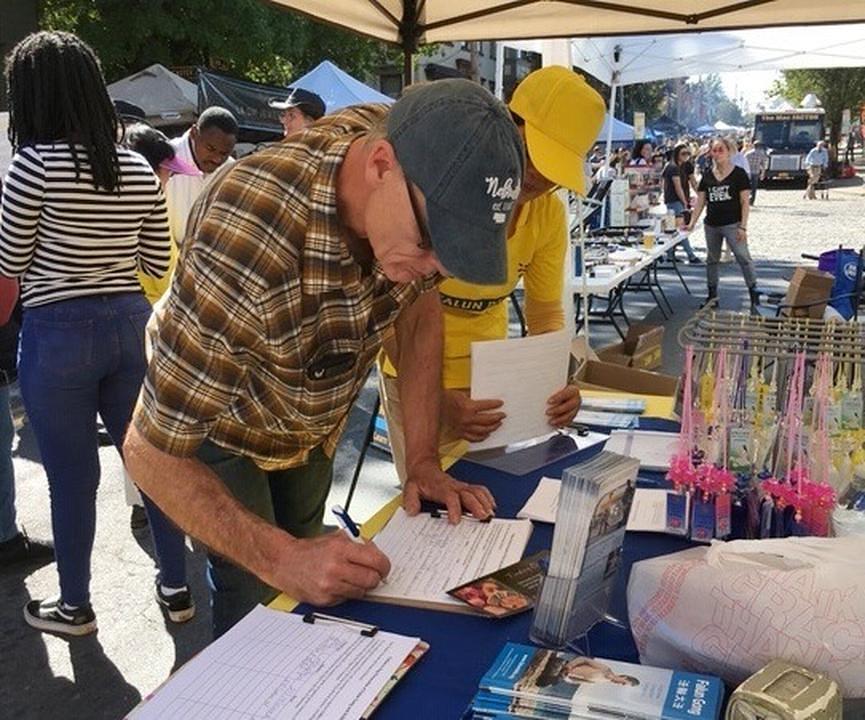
column 66, row 239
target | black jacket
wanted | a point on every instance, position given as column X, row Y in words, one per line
column 9, row 334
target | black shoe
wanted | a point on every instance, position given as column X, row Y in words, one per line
column 138, row 518
column 709, row 302
column 179, row 607
column 57, row 617
column 695, row 260
column 23, row 550
column 754, row 295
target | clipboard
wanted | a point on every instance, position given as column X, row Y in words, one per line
column 333, row 677
column 525, row 460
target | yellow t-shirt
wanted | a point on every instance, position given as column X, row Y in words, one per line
column 155, row 288
column 536, row 253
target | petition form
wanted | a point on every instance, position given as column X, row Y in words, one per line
column 429, row 556
column 274, row 665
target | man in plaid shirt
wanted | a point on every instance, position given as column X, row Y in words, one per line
column 301, row 261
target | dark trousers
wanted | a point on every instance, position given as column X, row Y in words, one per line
column 292, row 499
column 755, row 183
column 80, row 358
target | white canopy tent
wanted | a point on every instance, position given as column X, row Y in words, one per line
column 409, row 23
column 626, row 60
column 644, row 58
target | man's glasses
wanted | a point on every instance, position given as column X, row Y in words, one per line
column 425, row 238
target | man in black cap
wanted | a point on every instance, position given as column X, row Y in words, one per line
column 300, row 261
column 299, row 110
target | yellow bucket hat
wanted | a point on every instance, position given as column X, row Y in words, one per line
column 563, row 115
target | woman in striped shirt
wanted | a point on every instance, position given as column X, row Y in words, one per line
column 79, row 216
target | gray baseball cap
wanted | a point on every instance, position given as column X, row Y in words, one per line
column 459, row 146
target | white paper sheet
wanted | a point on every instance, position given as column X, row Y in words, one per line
column 524, row 373
column 273, row 665
column 429, row 555
column 652, row 448
column 543, row 505
column 648, row 510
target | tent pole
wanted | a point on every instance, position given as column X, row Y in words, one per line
column 611, row 116
column 407, row 66
column 500, row 70
column 584, row 287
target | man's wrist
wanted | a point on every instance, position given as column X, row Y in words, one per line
column 424, row 463
column 273, row 547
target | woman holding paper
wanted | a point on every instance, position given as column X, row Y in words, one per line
column 559, row 116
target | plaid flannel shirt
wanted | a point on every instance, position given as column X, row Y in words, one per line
column 271, row 326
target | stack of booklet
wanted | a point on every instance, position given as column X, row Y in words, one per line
column 530, row 682
column 594, row 502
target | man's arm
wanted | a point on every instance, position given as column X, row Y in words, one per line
column 321, row 571
column 419, row 332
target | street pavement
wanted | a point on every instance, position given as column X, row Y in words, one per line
column 104, row 675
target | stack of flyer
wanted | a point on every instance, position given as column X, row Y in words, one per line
column 594, row 502
column 531, row 682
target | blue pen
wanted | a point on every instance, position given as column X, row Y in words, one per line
column 347, row 524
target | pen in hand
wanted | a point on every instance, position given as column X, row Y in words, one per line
column 347, row 524
column 350, row 528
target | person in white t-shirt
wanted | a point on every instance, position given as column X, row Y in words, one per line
column 206, row 146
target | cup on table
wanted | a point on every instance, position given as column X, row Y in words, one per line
column 648, row 240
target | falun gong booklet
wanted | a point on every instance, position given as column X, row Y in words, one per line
column 531, row 682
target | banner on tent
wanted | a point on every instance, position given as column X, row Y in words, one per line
column 246, row 100
column 639, row 125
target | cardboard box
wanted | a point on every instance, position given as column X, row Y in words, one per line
column 599, row 375
column 644, row 344
column 641, row 348
column 808, row 285
column 615, row 354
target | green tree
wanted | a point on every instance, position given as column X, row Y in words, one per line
column 729, row 112
column 240, row 37
column 837, row 89
column 642, row 97
column 704, row 100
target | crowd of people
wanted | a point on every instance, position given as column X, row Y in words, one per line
column 276, row 280
column 268, row 287
column 721, row 175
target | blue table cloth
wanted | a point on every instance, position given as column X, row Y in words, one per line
column 462, row 647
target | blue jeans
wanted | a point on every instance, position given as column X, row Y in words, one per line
column 78, row 358
column 292, row 499
column 715, row 236
column 8, row 528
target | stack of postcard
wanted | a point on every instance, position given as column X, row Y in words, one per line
column 530, row 682
column 594, row 502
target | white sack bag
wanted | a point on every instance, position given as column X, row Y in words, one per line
column 729, row 608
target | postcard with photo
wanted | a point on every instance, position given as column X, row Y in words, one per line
column 508, row 591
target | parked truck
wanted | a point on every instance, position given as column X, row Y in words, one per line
column 788, row 136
